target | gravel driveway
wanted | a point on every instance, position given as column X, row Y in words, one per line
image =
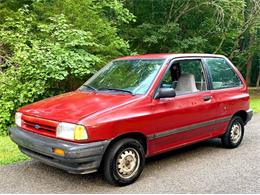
column 202, row 168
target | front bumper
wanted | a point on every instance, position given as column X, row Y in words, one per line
column 78, row 158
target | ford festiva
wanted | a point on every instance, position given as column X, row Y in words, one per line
column 136, row 107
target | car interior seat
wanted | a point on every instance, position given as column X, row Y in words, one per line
column 186, row 84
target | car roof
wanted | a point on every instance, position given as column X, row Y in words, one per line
column 168, row 56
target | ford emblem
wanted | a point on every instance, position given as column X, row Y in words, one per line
column 37, row 126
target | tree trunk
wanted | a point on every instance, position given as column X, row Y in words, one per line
column 258, row 79
column 249, row 60
column 248, row 68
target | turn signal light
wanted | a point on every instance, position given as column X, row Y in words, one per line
column 58, row 151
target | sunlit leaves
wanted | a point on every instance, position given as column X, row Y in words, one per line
column 50, row 56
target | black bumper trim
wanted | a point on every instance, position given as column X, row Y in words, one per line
column 78, row 158
column 249, row 115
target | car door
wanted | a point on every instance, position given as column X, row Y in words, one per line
column 187, row 117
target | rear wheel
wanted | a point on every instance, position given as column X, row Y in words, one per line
column 124, row 162
column 234, row 134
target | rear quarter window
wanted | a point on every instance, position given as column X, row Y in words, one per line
column 222, row 74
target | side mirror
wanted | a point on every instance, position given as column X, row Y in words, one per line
column 165, row 93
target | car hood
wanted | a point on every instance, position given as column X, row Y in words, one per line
column 74, row 106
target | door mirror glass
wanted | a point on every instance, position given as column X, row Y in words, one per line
column 165, row 93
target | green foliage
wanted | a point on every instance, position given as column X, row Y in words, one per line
column 184, row 26
column 207, row 26
column 101, row 18
column 48, row 57
column 42, row 62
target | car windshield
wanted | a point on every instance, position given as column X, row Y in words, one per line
column 125, row 76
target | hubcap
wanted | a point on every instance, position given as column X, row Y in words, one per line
column 128, row 162
column 236, row 132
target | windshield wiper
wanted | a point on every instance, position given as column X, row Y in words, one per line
column 90, row 87
column 114, row 89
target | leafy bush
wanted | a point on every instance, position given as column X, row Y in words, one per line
column 47, row 57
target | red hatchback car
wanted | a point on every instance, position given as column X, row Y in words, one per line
column 133, row 108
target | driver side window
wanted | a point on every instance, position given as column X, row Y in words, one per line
column 167, row 80
column 185, row 76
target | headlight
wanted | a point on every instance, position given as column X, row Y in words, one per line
column 18, row 119
column 71, row 131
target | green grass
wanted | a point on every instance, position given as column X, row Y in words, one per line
column 9, row 152
column 255, row 99
column 255, row 104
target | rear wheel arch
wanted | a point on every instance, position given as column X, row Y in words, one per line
column 234, row 134
column 242, row 114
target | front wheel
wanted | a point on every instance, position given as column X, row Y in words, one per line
column 124, row 162
column 234, row 134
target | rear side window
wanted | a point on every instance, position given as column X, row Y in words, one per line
column 222, row 75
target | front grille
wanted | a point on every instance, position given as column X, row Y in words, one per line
column 39, row 125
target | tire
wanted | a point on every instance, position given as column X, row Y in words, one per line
column 124, row 162
column 234, row 134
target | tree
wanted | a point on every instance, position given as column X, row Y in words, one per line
column 217, row 26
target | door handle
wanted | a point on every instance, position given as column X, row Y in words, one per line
column 207, row 98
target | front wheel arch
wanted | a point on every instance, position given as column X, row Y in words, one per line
column 135, row 135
